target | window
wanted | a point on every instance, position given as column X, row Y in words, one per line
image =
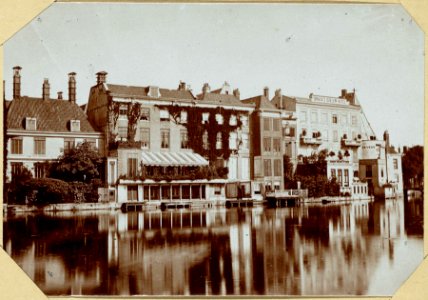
column 92, row 143
column 244, row 137
column 132, row 193
column 335, row 136
column 334, row 119
column 369, row 171
column 164, row 115
column 232, row 141
column 123, row 110
column 277, row 167
column 303, row 116
column 145, row 114
column 69, row 144
column 346, row 171
column 267, row 146
column 205, row 117
column 219, row 119
column 276, row 145
column 184, row 139
column 123, row 132
column 339, row 176
column 30, row 123
column 276, row 124
column 314, row 117
column 343, row 119
column 112, row 168
column 132, row 167
column 217, row 189
column 145, row 138
column 183, row 116
column 165, row 138
column 267, row 167
column 354, row 120
column 218, row 143
column 333, row 173
column 233, row 120
column 395, row 161
column 16, row 146
column 16, row 168
column 266, row 124
column 39, row 146
column 244, row 120
column 74, row 125
column 39, row 170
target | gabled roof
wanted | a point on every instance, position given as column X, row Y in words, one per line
column 51, row 115
column 142, row 92
column 221, row 99
column 261, row 102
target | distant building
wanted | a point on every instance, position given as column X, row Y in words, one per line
column 158, row 141
column 41, row 129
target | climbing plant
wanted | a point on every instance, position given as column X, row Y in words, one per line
column 196, row 128
column 134, row 115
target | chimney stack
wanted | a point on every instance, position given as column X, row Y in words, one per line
column 71, row 87
column 59, row 95
column 237, row 94
column 16, row 82
column 182, row 86
column 46, row 89
column 278, row 94
column 101, row 77
column 206, row 88
column 344, row 92
column 386, row 139
column 266, row 92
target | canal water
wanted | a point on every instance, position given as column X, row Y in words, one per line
column 362, row 248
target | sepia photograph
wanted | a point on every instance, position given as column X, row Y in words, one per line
column 215, row 149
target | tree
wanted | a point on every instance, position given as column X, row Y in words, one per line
column 16, row 191
column 79, row 164
column 413, row 166
column 288, row 170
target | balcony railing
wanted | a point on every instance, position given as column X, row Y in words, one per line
column 311, row 140
column 351, row 143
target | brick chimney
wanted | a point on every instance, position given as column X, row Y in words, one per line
column 71, row 87
column 237, row 94
column 16, row 82
column 182, row 86
column 278, row 94
column 266, row 92
column 59, row 95
column 46, row 89
column 344, row 92
column 101, row 77
column 206, row 88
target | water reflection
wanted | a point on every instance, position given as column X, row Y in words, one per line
column 304, row 250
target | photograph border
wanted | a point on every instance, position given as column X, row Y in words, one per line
column 15, row 14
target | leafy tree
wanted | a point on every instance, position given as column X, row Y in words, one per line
column 79, row 164
column 16, row 188
column 47, row 191
column 413, row 166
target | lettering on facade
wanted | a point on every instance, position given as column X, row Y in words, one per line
column 329, row 100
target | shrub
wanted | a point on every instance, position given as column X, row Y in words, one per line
column 43, row 191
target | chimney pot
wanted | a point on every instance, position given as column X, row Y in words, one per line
column 266, row 92
column 206, row 88
column 182, row 86
column 72, row 87
column 344, row 92
column 237, row 94
column 59, row 95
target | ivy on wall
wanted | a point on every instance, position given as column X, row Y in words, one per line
column 196, row 129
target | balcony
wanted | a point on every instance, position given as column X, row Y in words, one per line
column 351, row 143
column 310, row 140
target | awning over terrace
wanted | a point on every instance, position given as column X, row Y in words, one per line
column 173, row 159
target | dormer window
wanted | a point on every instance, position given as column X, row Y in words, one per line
column 74, row 125
column 154, row 92
column 30, row 124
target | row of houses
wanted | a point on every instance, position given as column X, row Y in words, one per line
column 174, row 144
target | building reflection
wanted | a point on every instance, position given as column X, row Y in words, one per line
column 302, row 250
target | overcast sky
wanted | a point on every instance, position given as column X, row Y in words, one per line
column 302, row 49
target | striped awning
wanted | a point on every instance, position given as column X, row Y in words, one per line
column 173, row 159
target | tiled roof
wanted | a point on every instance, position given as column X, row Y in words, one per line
column 261, row 102
column 142, row 92
column 51, row 115
column 222, row 99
